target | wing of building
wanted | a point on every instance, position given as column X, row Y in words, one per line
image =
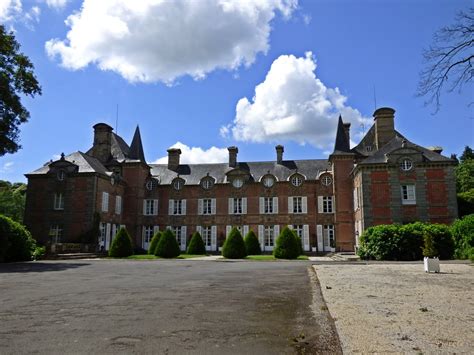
column 87, row 197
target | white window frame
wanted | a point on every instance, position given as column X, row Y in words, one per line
column 105, row 201
column 118, row 204
column 58, row 201
column 206, row 234
column 408, row 194
column 180, row 233
column 406, row 164
column 268, row 205
column 56, row 233
column 326, row 204
column 150, row 207
column 329, row 235
column 207, row 206
column 177, row 207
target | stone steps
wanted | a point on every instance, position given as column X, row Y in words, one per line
column 75, row 256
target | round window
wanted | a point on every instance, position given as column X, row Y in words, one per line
column 296, row 180
column 268, row 181
column 326, row 180
column 207, row 184
column 406, row 164
column 238, row 183
column 178, row 184
column 150, row 184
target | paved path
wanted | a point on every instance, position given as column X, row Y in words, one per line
column 162, row 306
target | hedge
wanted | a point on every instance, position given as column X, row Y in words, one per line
column 196, row 245
column 463, row 235
column 16, row 242
column 287, row 246
column 153, row 243
column 234, row 246
column 167, row 246
column 252, row 246
column 121, row 245
column 406, row 242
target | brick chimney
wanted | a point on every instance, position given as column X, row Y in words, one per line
column 233, row 156
column 384, row 126
column 102, row 145
column 279, row 149
column 173, row 158
column 347, row 130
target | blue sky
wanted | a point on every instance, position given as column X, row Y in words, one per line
column 208, row 76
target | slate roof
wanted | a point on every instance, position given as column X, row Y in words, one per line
column 136, row 148
column 342, row 145
column 193, row 173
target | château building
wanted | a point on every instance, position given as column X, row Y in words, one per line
column 329, row 202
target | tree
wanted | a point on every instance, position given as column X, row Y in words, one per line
column 12, row 200
column 465, row 182
column 234, row 246
column 449, row 59
column 196, row 245
column 121, row 245
column 251, row 244
column 168, row 246
column 16, row 78
column 287, row 245
column 154, row 242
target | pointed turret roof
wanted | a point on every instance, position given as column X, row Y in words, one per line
column 136, row 148
column 342, row 144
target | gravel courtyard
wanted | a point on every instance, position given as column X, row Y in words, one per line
column 397, row 308
column 163, row 306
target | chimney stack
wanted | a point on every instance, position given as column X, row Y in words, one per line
column 173, row 158
column 436, row 149
column 102, row 145
column 347, row 130
column 279, row 149
column 384, row 126
column 233, row 156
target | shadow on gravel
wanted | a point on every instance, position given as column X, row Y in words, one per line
column 37, row 267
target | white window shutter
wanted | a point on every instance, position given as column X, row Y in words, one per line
column 199, row 230
column 144, row 207
column 227, row 230
column 200, row 206
column 290, row 204
column 183, row 237
column 123, row 226
column 275, row 205
column 155, row 207
column 170, row 207
column 333, row 198
column 319, row 236
column 213, row 206
column 156, row 229
column 320, row 204
column 304, row 201
column 262, row 205
column 114, row 230
column 183, row 207
column 143, row 237
column 244, row 205
column 305, row 240
column 213, row 237
column 260, row 236
column 231, row 205
column 246, row 230
column 276, row 232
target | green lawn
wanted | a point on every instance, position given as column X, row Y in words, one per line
column 271, row 257
column 152, row 257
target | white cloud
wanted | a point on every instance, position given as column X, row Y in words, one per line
column 9, row 9
column 197, row 155
column 292, row 104
column 7, row 167
column 56, row 4
column 153, row 40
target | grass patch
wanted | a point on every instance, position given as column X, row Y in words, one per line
column 142, row 257
column 271, row 258
column 190, row 256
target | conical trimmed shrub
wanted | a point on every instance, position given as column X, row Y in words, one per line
column 234, row 246
column 300, row 244
column 121, row 245
column 154, row 243
column 167, row 246
column 286, row 245
column 196, row 245
column 251, row 244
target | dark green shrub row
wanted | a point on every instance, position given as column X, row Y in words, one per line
column 463, row 234
column 288, row 245
column 16, row 242
column 406, row 242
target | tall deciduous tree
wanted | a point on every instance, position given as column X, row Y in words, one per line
column 16, row 78
column 449, row 60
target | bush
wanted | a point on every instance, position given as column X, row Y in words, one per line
column 411, row 241
column 196, row 245
column 442, row 240
column 121, row 245
column 167, row 246
column 39, row 253
column 300, row 243
column 466, row 202
column 463, row 235
column 234, row 246
column 16, row 243
column 379, row 242
column 428, row 249
column 252, row 246
column 287, row 245
column 153, row 243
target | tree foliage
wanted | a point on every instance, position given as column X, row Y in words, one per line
column 463, row 234
column 16, row 78
column 16, row 243
column 448, row 61
column 196, row 245
column 465, row 182
column 12, row 200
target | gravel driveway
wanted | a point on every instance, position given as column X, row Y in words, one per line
column 162, row 306
column 387, row 308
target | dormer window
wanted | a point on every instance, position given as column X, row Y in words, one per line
column 61, row 175
column 178, row 184
column 238, row 182
column 406, row 164
column 151, row 184
column 368, row 148
column 207, row 183
column 268, row 181
column 326, row 180
column 297, row 180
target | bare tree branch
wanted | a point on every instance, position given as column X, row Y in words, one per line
column 449, row 60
